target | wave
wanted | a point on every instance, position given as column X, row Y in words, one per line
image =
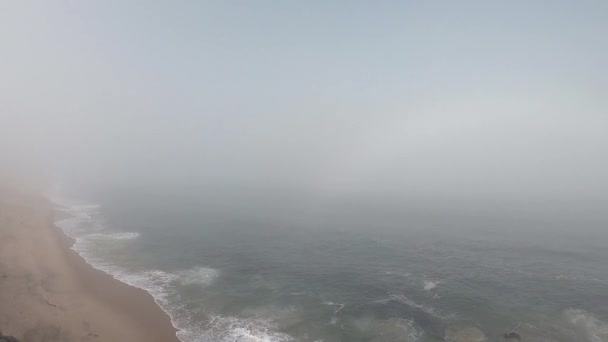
column 571, row 325
column 198, row 276
column 88, row 232
column 76, row 210
column 338, row 306
column 230, row 329
column 429, row 285
column 392, row 329
column 399, row 298
column 81, row 207
column 162, row 286
column 593, row 329
column 114, row 236
column 404, row 275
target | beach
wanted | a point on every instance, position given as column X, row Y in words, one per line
column 49, row 293
column 125, row 266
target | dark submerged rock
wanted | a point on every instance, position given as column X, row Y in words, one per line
column 512, row 336
column 464, row 334
column 7, row 338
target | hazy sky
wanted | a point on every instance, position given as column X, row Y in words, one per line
column 499, row 98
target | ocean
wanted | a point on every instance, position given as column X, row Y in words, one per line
column 238, row 266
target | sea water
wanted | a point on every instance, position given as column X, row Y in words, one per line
column 261, row 268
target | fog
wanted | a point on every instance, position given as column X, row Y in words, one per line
column 456, row 100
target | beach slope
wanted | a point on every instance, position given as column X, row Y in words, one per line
column 48, row 293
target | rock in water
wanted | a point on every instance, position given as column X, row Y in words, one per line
column 396, row 330
column 464, row 334
column 4, row 338
column 512, row 336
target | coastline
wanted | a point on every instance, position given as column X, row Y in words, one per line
column 49, row 292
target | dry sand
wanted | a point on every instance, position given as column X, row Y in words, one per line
column 48, row 293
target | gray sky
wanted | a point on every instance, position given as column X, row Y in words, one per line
column 492, row 98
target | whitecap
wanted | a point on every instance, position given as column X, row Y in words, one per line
column 397, row 329
column 429, row 285
column 410, row 329
column 198, row 276
column 593, row 329
column 85, row 227
column 565, row 277
column 230, row 329
column 338, row 306
column 114, row 236
column 86, row 211
column 405, row 300
column 404, row 275
column 156, row 282
column 83, row 207
column 392, row 329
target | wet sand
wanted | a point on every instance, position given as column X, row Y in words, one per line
column 49, row 293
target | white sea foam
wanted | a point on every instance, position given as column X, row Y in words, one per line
column 338, row 306
column 161, row 285
column 87, row 232
column 78, row 210
column 84, row 208
column 429, row 285
column 410, row 329
column 392, row 329
column 565, row 277
column 114, row 236
column 230, row 329
column 406, row 301
column 198, row 276
column 593, row 329
column 405, row 275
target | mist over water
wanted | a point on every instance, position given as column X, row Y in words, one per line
column 330, row 99
column 257, row 269
column 321, row 171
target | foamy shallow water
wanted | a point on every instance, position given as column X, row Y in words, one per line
column 227, row 281
column 91, row 238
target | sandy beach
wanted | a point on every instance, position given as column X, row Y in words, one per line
column 49, row 293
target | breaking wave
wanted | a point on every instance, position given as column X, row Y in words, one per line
column 338, row 307
column 230, row 329
column 399, row 298
column 91, row 237
column 198, row 276
column 392, row 329
column 429, row 285
column 592, row 328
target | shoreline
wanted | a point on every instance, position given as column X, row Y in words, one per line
column 49, row 292
column 113, row 290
